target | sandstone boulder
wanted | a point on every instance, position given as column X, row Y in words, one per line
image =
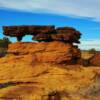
column 44, row 33
column 67, row 34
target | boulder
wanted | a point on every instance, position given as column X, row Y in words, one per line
column 44, row 33
column 67, row 34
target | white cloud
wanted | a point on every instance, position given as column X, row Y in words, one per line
column 74, row 8
column 88, row 44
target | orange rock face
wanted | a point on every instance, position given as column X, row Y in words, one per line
column 53, row 52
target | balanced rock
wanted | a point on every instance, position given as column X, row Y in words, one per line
column 52, row 52
column 44, row 33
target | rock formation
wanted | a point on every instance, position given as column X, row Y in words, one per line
column 52, row 52
column 57, row 45
column 31, row 71
column 20, row 31
column 44, row 33
column 21, row 81
column 90, row 59
column 66, row 34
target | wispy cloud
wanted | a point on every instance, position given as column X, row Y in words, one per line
column 88, row 44
column 74, row 8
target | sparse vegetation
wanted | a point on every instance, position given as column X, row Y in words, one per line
column 93, row 51
column 4, row 45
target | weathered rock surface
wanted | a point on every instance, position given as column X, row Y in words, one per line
column 53, row 52
column 25, row 73
column 95, row 60
column 22, row 30
column 21, row 81
column 67, row 34
column 44, row 33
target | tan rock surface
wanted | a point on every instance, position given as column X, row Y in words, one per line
column 23, row 81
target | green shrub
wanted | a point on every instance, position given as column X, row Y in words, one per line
column 3, row 46
column 4, row 42
column 3, row 52
column 93, row 51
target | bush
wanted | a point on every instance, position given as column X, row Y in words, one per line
column 93, row 51
column 3, row 52
column 3, row 46
column 4, row 42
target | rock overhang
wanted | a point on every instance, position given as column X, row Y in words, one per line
column 43, row 33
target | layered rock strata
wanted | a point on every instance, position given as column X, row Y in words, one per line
column 52, row 52
column 43, row 33
column 56, row 44
column 22, row 77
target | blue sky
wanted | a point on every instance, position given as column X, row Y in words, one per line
column 82, row 15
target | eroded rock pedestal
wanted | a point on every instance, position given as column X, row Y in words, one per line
column 25, row 73
column 46, row 70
